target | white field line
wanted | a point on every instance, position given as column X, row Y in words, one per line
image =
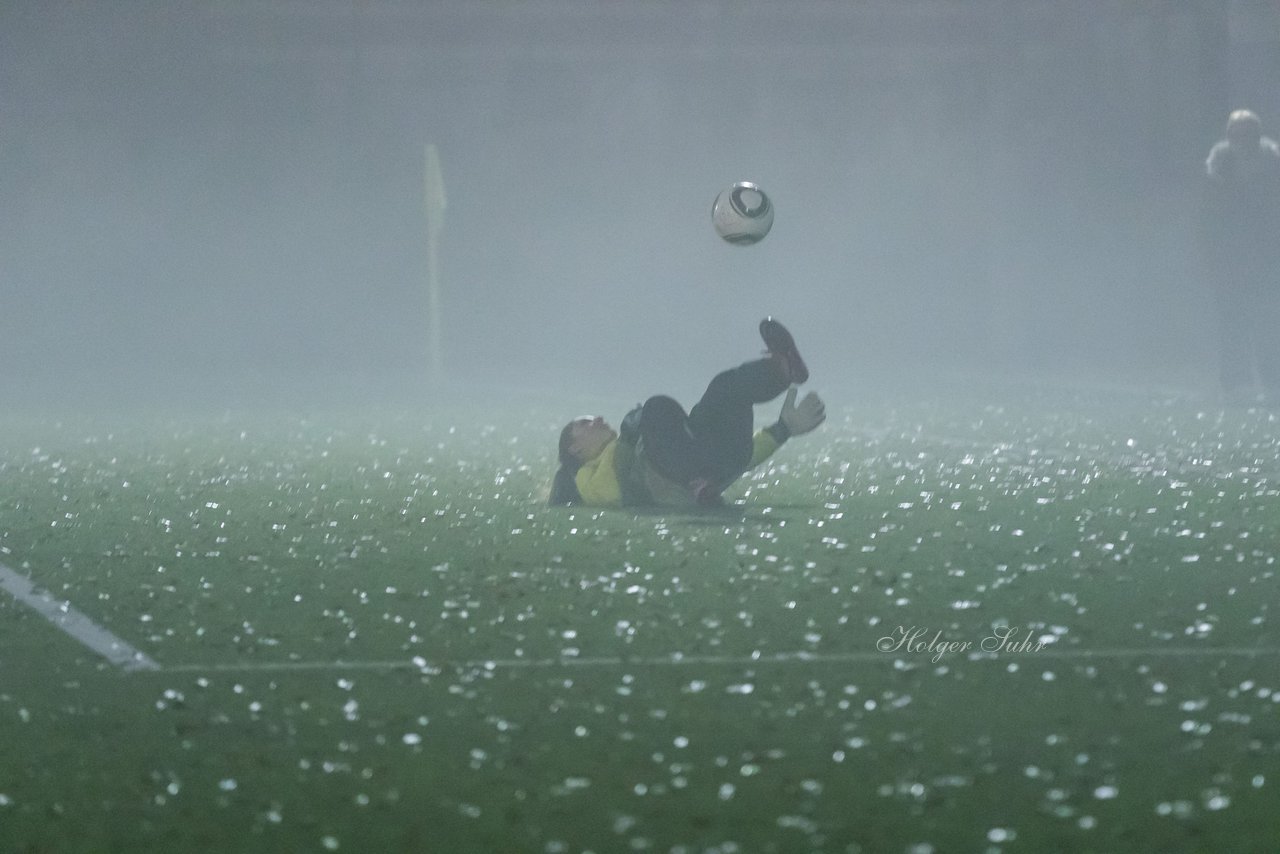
column 746, row 662
column 74, row 623
column 123, row 655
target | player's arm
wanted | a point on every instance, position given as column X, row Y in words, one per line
column 597, row 480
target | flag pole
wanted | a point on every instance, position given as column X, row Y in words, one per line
column 434, row 203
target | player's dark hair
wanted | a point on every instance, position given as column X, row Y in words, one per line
column 564, row 489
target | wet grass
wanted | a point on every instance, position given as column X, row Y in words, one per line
column 374, row 636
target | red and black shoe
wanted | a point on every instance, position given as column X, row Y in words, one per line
column 782, row 347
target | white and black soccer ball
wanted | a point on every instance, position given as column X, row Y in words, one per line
column 742, row 214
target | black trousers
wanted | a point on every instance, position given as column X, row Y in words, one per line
column 713, row 441
column 1248, row 303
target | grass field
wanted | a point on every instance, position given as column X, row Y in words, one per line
column 372, row 635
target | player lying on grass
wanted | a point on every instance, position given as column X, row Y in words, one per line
column 664, row 456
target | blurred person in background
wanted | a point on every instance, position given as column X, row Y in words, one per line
column 1241, row 236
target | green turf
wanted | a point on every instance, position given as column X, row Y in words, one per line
column 374, row 636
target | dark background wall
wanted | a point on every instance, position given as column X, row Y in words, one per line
column 224, row 200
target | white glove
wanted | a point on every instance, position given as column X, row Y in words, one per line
column 802, row 418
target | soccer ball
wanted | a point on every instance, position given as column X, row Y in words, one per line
column 742, row 214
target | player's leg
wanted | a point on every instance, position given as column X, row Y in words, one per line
column 1235, row 335
column 668, row 444
column 723, row 419
column 710, row 446
column 1266, row 340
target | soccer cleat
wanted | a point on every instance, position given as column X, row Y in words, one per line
column 783, row 347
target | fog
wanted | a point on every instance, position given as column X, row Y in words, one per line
column 223, row 202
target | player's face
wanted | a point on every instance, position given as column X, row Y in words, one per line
column 590, row 435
